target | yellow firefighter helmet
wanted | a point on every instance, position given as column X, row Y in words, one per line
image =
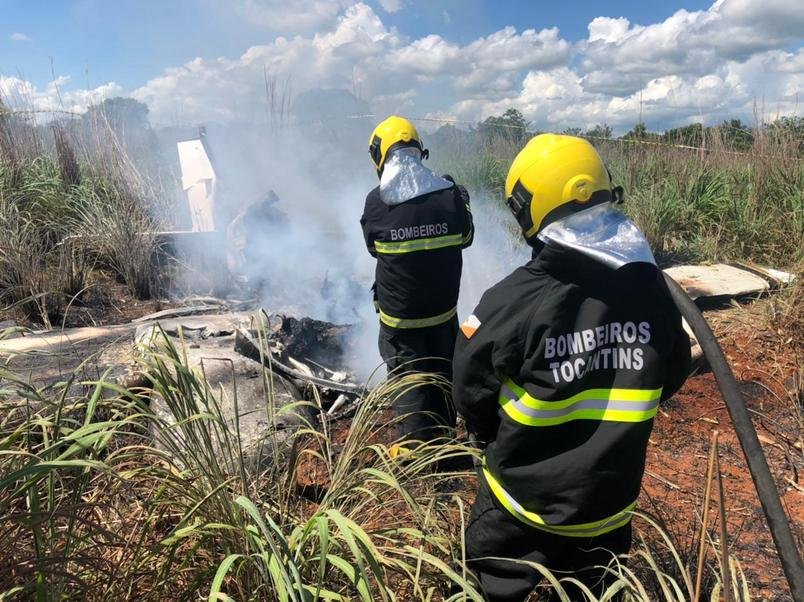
column 394, row 132
column 553, row 177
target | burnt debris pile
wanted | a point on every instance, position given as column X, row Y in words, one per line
column 310, row 352
column 263, row 376
column 319, row 343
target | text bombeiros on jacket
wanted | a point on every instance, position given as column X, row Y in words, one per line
column 419, row 231
column 612, row 346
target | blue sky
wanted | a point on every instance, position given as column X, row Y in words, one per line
column 453, row 58
column 129, row 42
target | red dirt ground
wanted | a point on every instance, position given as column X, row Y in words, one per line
column 678, row 454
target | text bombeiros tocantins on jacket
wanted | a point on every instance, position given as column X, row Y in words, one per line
column 597, row 341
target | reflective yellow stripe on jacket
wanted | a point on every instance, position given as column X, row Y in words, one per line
column 592, row 529
column 416, row 322
column 420, row 244
column 612, row 405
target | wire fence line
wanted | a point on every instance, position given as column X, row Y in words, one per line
column 6, row 111
column 452, row 121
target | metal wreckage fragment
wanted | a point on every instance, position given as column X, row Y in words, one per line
column 279, row 356
column 233, row 353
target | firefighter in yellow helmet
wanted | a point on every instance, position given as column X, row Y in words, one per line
column 416, row 223
column 559, row 373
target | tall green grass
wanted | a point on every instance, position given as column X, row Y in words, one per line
column 68, row 205
column 94, row 508
column 714, row 206
column 692, row 206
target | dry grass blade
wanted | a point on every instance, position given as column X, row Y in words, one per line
column 705, row 518
column 725, row 567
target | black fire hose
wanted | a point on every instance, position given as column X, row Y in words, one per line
column 757, row 465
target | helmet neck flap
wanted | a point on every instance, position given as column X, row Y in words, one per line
column 404, row 177
column 601, row 232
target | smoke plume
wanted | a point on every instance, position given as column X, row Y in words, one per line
column 306, row 255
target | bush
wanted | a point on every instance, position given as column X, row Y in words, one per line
column 64, row 213
column 24, row 263
column 116, row 226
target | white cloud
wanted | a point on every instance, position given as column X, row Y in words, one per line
column 707, row 65
column 607, row 29
column 19, row 37
column 684, row 68
column 727, row 61
column 430, row 55
column 349, row 55
column 769, row 82
column 391, row 6
column 496, row 61
column 23, row 95
column 280, row 15
column 358, row 52
column 694, row 43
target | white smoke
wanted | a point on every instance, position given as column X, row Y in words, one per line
column 315, row 262
column 497, row 250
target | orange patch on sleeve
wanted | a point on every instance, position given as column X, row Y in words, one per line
column 470, row 326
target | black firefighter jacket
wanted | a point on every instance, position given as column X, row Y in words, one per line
column 418, row 247
column 560, row 372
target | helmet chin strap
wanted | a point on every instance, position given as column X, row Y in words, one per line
column 519, row 204
column 521, row 213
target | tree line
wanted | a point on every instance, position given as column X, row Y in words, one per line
column 511, row 126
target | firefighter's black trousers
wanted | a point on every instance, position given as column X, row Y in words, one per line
column 492, row 531
column 428, row 411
